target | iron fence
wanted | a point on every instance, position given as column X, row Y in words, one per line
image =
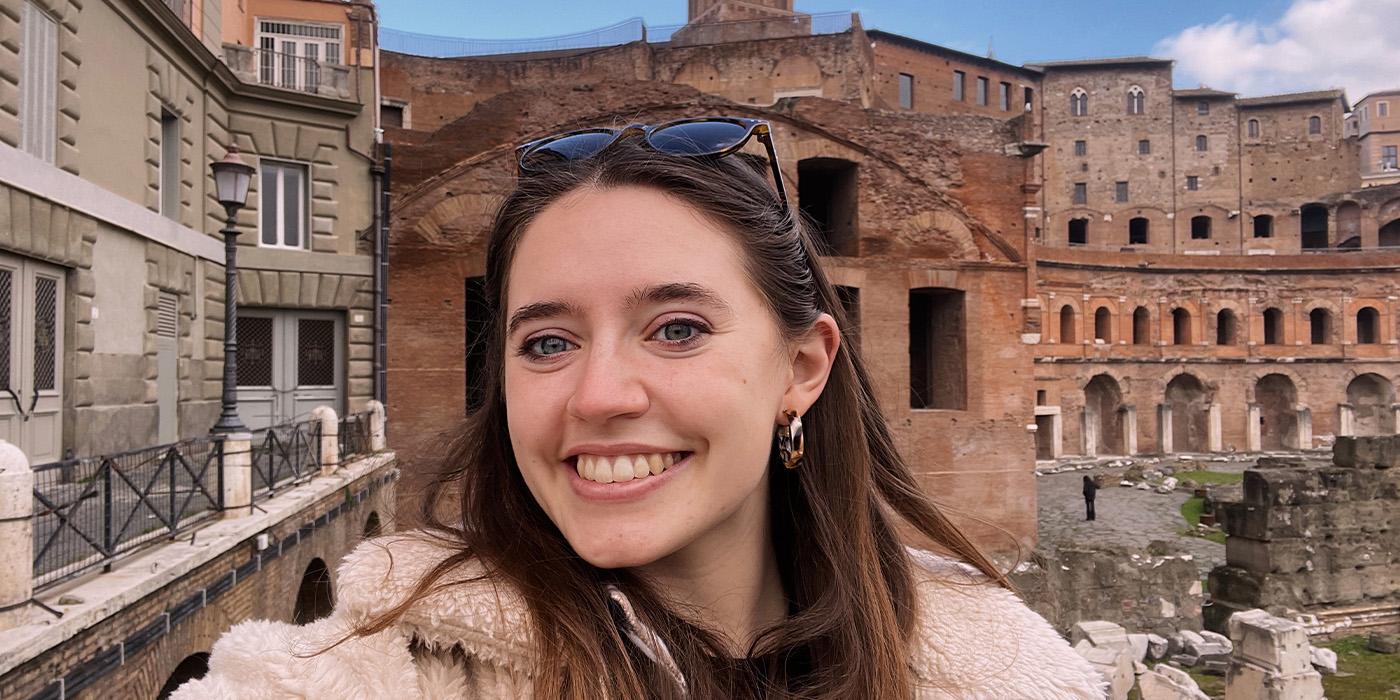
column 287, row 70
column 284, row 456
column 354, row 436
column 90, row 510
column 624, row 32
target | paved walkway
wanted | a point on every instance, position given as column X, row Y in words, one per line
column 1124, row 516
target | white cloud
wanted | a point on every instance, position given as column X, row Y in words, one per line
column 1317, row 44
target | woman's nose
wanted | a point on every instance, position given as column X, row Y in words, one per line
column 609, row 387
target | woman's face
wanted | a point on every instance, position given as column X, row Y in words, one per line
column 644, row 376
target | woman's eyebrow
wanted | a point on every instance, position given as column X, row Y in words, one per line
column 676, row 291
column 539, row 310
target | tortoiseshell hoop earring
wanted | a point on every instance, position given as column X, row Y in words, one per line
column 791, row 443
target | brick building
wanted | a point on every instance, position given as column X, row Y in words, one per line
column 1082, row 223
column 1376, row 125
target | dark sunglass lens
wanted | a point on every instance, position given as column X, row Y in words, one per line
column 572, row 147
column 697, row 138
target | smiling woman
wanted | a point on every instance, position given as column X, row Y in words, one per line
column 679, row 483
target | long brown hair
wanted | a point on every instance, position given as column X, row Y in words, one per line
column 846, row 574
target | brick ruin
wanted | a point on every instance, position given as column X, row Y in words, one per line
column 1128, row 268
column 1315, row 540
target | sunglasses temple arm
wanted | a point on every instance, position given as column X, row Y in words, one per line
column 777, row 173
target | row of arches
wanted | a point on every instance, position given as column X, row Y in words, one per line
column 1188, row 415
column 1227, row 326
column 1314, row 228
column 315, row 600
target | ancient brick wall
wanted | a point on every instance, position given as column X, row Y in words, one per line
column 1216, row 170
column 1314, row 539
column 933, row 69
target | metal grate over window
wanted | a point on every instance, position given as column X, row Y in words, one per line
column 45, row 332
column 255, row 351
column 315, row 352
column 315, row 31
column 168, row 319
column 6, row 328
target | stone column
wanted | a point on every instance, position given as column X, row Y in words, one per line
column 238, row 475
column 1164, row 427
column 1305, row 439
column 1346, row 420
column 1254, row 440
column 378, row 426
column 16, row 536
column 1129, row 430
column 1395, row 418
column 1214, row 440
column 1089, row 431
column 330, row 438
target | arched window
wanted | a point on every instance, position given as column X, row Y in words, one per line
column 1067, row 324
column 1253, row 128
column 1263, row 226
column 1368, row 326
column 1137, row 100
column 1079, row 103
column 1181, row 327
column 1273, row 326
column 1226, row 327
column 1202, row 143
column 1137, row 231
column 1314, row 125
column 1142, row 326
column 1320, row 322
column 1103, row 325
column 1200, row 228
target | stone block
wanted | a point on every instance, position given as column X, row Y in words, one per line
column 1383, row 643
column 1138, row 643
column 1167, row 683
column 1157, row 647
column 1115, row 664
column 1270, row 643
column 1245, row 681
column 1100, row 634
column 1324, row 660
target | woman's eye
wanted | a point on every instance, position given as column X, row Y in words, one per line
column 547, row 345
column 679, row 332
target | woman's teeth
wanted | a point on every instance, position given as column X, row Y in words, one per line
column 606, row 470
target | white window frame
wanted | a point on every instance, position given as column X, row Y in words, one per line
column 307, row 41
column 280, row 218
column 1382, row 109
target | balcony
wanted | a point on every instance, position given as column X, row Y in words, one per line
column 288, row 72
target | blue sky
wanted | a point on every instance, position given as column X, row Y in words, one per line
column 1252, row 46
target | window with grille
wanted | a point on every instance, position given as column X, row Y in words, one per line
column 38, row 81
column 1254, row 128
column 1144, row 147
column 6, row 327
column 315, row 352
column 45, row 332
column 1193, row 182
column 1314, row 125
column 282, row 199
column 1203, row 107
column 906, row 91
column 1120, row 191
column 1202, row 143
column 1081, row 148
column 255, row 351
column 1081, row 193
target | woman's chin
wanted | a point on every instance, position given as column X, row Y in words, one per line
column 615, row 553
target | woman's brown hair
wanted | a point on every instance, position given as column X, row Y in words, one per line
column 845, row 572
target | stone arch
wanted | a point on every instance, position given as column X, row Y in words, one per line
column 1299, row 382
column 373, row 527
column 1273, row 318
column 1103, row 323
column 1181, row 326
column 1227, row 324
column 1189, row 399
column 1368, row 325
column 701, row 75
column 192, row 667
column 797, row 72
column 1069, row 323
column 315, row 595
column 1389, row 217
column 1142, row 325
column 458, row 221
column 1103, row 416
column 1323, row 317
column 1371, row 397
column 1348, row 222
column 1277, row 398
column 1389, row 235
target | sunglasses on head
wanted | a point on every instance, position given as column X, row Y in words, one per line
column 698, row 137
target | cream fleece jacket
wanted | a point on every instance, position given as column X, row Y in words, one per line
column 975, row 642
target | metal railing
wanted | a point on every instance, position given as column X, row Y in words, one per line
column 354, row 436
column 289, row 71
column 624, row 32
column 88, row 511
column 284, row 456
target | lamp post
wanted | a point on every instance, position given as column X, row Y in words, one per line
column 231, row 179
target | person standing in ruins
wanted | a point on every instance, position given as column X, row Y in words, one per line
column 680, row 484
column 1091, row 488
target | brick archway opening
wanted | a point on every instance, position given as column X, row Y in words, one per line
column 1189, row 404
column 1103, row 402
column 1371, row 397
column 315, row 599
column 1278, row 421
column 193, row 667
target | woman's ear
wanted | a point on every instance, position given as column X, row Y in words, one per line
column 812, row 358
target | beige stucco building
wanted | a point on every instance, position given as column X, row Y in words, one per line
column 111, row 261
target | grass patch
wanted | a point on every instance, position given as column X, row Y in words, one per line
column 1191, row 511
column 1204, row 477
column 1374, row 675
column 1213, row 686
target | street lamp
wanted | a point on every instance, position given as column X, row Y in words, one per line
column 231, row 179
